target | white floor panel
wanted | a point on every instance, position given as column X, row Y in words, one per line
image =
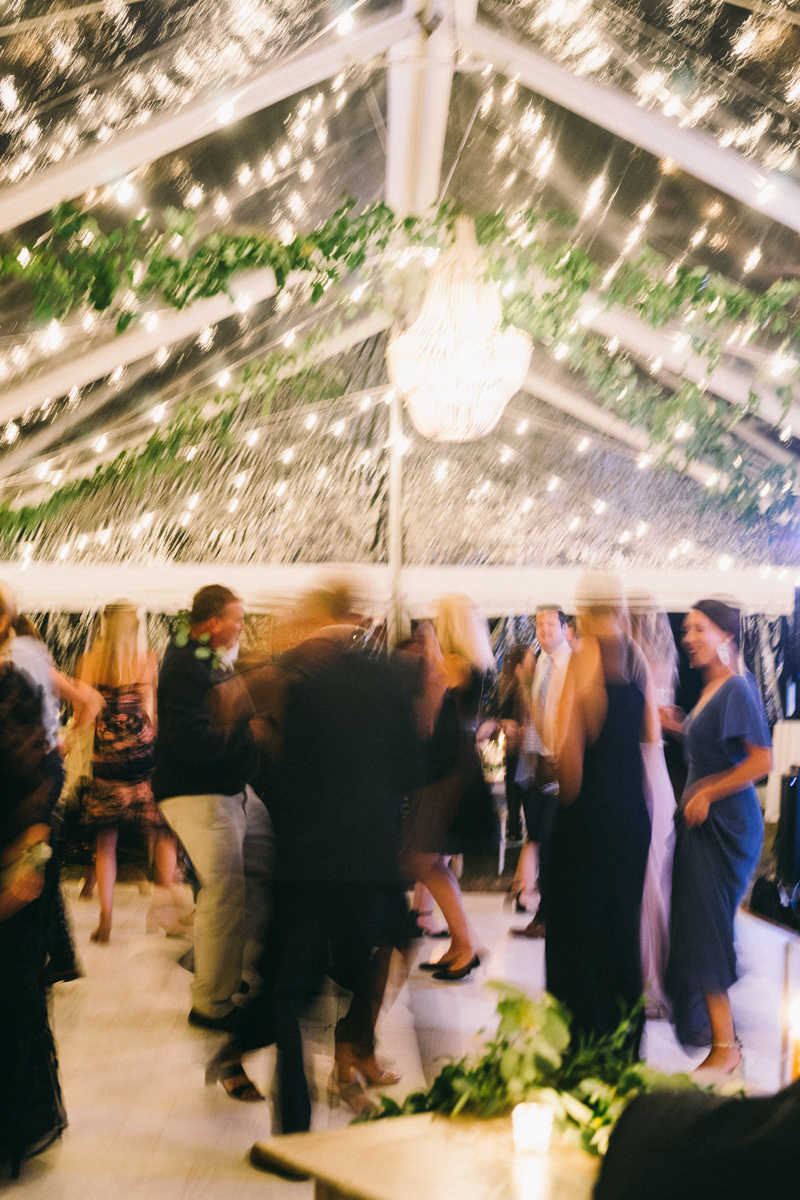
column 144, row 1127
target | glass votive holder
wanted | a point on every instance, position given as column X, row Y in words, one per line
column 533, row 1127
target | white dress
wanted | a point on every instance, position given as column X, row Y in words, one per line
column 654, row 929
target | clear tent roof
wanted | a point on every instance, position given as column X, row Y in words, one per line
column 261, row 115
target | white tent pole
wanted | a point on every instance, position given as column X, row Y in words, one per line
column 75, row 466
column 100, row 165
column 697, row 153
column 730, row 383
column 558, row 396
column 419, row 79
column 395, row 524
column 136, row 343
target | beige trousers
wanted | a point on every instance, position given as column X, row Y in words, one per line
column 231, row 844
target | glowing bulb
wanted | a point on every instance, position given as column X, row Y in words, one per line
column 252, row 438
column 505, row 455
column 224, row 378
column 625, row 536
column 322, row 472
column 365, row 403
column 240, row 480
column 311, row 421
column 523, row 425
column 150, row 321
column 752, row 260
column 600, row 507
column 440, row 471
column 101, row 443
column 24, row 257
column 527, row 504
column 344, row 25
column 288, row 455
column 583, row 445
column 244, row 175
column 158, row 413
column 289, row 338
column 225, row 113
column 280, row 489
column 234, row 504
column 125, row 192
column 147, row 520
column 553, row 484
column 338, row 429
column 195, row 500
column 574, row 523
column 644, row 461
column 641, row 529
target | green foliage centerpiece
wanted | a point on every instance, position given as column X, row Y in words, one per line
column 532, row 1057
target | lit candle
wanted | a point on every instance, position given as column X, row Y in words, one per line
column 533, row 1127
column 794, row 1040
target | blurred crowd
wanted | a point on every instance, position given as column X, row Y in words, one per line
column 304, row 789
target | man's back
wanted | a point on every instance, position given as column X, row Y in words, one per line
column 350, row 756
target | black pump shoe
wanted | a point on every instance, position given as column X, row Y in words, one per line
column 448, row 974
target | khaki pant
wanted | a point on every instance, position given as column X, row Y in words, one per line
column 231, row 843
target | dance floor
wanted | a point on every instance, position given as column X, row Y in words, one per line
column 144, row 1127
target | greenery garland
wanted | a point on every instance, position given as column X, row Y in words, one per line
column 587, row 1082
column 77, row 264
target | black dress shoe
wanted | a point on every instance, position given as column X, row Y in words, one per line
column 265, row 1160
column 431, row 966
column 228, row 1024
column 448, row 974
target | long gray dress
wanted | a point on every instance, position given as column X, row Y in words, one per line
column 714, row 861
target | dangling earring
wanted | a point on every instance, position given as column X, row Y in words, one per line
column 724, row 654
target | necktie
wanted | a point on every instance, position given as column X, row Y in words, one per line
column 540, row 699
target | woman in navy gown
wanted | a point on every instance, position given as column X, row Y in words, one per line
column 719, row 832
column 601, row 834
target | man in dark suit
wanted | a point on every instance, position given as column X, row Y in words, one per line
column 349, row 756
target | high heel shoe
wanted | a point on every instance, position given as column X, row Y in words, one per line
column 102, row 935
column 367, row 1068
column 721, row 1075
column 449, row 975
column 226, row 1071
column 165, row 914
column 418, row 931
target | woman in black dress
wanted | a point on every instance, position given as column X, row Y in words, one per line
column 31, row 1110
column 601, row 834
column 454, row 814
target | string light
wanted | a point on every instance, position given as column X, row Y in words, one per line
column 553, row 484
column 523, row 425
column 288, row 455
column 527, row 504
column 101, row 443
column 583, row 445
column 344, row 24
column 752, row 260
column 252, row 438
column 224, row 378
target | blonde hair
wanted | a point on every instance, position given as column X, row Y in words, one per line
column 119, row 655
column 8, row 608
column 461, row 628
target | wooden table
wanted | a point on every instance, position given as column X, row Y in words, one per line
column 428, row 1157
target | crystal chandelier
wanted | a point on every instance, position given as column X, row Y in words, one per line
column 455, row 365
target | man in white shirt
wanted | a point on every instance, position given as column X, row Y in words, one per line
column 537, row 772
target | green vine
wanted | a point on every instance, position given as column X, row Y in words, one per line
column 551, row 276
column 587, row 1082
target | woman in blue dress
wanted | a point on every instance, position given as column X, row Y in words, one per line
column 719, row 832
